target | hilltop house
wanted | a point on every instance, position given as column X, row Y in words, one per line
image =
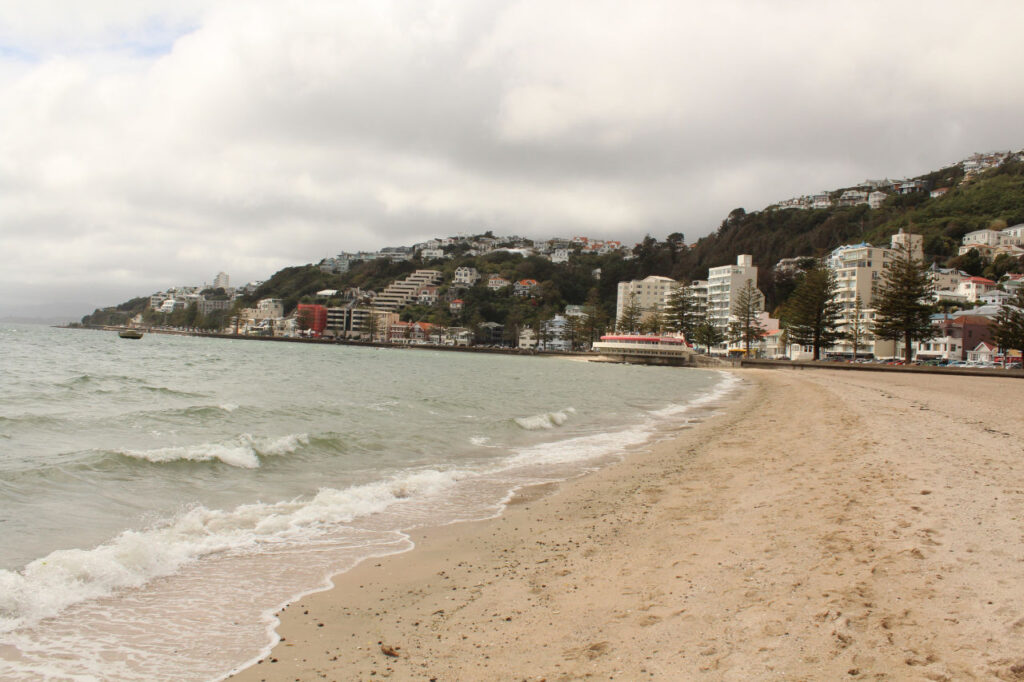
column 496, row 282
column 524, row 287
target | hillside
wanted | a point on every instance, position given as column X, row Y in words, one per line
column 994, row 198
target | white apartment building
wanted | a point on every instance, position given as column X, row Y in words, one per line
column 699, row 291
column 858, row 269
column 724, row 284
column 876, row 199
column 650, row 294
column 221, row 281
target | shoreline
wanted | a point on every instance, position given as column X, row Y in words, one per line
column 874, row 533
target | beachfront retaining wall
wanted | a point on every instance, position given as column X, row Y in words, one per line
column 874, row 367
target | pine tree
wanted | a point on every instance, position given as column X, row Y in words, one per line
column 629, row 321
column 856, row 332
column 707, row 335
column 681, row 314
column 1008, row 327
column 745, row 326
column 572, row 330
column 903, row 311
column 811, row 313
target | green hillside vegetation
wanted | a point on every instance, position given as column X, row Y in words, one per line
column 994, row 199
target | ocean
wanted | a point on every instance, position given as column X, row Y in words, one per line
column 160, row 499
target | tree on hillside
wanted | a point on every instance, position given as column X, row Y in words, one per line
column 629, row 320
column 811, row 314
column 903, row 310
column 1008, row 327
column 745, row 327
column 681, row 314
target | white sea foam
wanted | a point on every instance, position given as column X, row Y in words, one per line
column 242, row 452
column 47, row 586
column 546, row 420
column 480, row 441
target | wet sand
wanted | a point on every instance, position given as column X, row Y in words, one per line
column 827, row 525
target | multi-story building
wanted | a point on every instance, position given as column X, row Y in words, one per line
column 980, row 238
column 206, row 306
column 347, row 321
column 647, row 294
column 876, row 199
column 1014, row 235
column 945, row 279
column 400, row 293
column 699, row 292
column 269, row 308
column 496, row 282
column 724, row 285
column 313, row 316
column 954, row 338
column 858, row 271
column 973, row 288
column 466, row 276
column 221, row 281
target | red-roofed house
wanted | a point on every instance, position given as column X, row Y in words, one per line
column 974, row 287
column 524, row 287
column 954, row 338
column 456, row 306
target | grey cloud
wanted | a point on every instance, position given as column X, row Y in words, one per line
column 267, row 135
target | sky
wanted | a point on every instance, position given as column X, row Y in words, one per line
column 151, row 143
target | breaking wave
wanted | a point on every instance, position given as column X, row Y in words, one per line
column 243, row 452
column 546, row 420
column 47, row 586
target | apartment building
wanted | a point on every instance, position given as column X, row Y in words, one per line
column 858, row 270
column 650, row 294
column 401, row 293
column 724, row 284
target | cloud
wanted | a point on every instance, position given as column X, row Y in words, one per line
column 146, row 144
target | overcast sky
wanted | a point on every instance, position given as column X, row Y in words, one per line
column 151, row 143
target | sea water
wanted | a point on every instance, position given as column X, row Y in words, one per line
column 160, row 499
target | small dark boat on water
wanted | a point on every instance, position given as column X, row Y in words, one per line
column 130, row 334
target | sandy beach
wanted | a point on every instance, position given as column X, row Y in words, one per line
column 824, row 525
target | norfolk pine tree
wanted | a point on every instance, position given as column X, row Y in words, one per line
column 857, row 333
column 746, row 327
column 811, row 314
column 1008, row 327
column 681, row 314
column 706, row 334
column 629, row 321
column 903, row 311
